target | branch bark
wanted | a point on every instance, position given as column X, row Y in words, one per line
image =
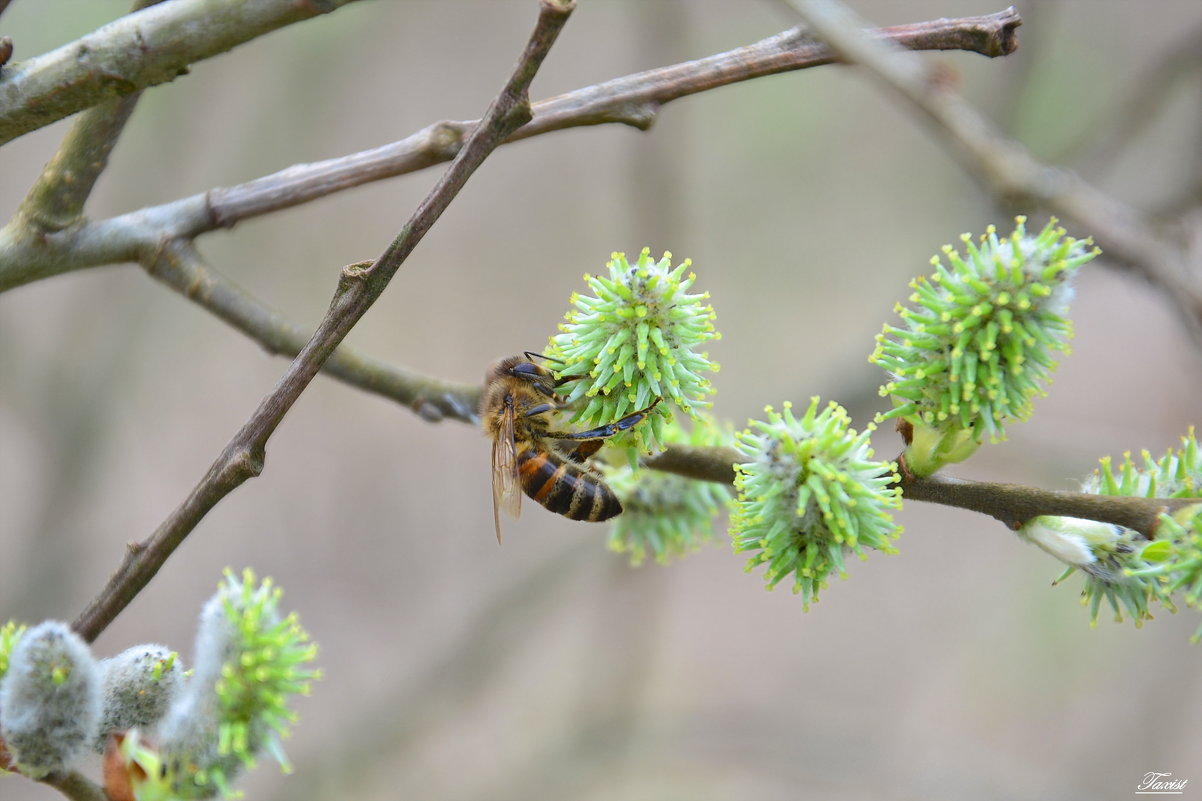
column 1162, row 255
column 180, row 267
column 358, row 289
column 1011, row 504
column 57, row 198
column 139, row 50
column 633, row 100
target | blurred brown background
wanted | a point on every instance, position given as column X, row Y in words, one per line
column 545, row 668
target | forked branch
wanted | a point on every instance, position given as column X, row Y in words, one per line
column 630, row 100
column 358, row 289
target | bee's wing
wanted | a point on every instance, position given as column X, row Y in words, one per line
column 506, row 486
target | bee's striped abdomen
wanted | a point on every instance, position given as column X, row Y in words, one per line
column 564, row 488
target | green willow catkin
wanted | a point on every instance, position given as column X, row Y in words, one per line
column 809, row 491
column 979, row 340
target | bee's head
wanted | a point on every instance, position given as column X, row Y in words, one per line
column 521, row 368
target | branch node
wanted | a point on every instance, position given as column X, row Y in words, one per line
column 246, row 462
column 427, row 411
column 352, row 276
column 641, row 115
column 446, row 138
column 519, row 115
column 6, row 49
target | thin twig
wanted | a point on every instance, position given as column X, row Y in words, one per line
column 1009, row 170
column 139, row 50
column 1012, row 504
column 633, row 100
column 179, row 266
column 1101, row 140
column 1015, row 504
column 359, row 287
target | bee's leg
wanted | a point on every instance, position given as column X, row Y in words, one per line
column 585, row 449
column 604, row 432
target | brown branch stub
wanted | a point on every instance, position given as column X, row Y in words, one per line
column 6, row 49
column 992, row 35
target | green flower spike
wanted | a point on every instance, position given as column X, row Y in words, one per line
column 979, row 340
column 1121, row 565
column 632, row 341
column 808, row 492
column 664, row 515
column 1172, row 563
column 1104, row 553
column 249, row 661
column 1176, row 558
column 10, row 635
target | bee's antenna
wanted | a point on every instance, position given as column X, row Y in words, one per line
column 531, row 356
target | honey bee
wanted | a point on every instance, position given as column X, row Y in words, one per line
column 519, row 397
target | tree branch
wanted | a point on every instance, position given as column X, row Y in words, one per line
column 57, row 198
column 180, row 267
column 435, row 399
column 1101, row 140
column 633, row 100
column 1012, row 504
column 1009, row 170
column 139, row 50
column 359, row 287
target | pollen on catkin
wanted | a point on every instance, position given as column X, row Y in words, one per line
column 49, row 699
column 808, row 493
column 635, row 339
column 979, row 340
